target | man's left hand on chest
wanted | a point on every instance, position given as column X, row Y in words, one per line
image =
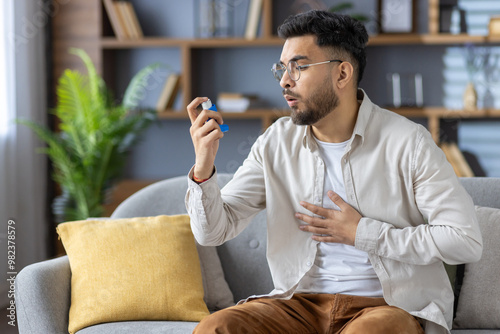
column 332, row 225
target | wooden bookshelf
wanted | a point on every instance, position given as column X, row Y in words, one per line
column 101, row 48
column 91, row 30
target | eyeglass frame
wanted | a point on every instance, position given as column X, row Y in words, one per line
column 299, row 67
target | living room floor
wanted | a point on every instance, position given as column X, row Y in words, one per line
column 5, row 328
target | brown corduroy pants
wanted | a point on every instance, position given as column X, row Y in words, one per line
column 312, row 313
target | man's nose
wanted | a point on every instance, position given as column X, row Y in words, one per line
column 286, row 81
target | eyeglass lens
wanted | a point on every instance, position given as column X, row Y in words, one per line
column 293, row 71
column 278, row 71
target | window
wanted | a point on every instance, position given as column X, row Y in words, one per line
column 6, row 66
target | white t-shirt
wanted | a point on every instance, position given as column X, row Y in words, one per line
column 338, row 268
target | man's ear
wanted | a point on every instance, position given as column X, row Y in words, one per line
column 345, row 74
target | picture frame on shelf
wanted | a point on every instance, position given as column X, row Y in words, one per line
column 397, row 16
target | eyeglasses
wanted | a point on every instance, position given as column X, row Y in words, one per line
column 294, row 69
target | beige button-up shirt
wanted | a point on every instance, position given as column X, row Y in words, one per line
column 416, row 215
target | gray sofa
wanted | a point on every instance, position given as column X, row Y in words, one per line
column 43, row 289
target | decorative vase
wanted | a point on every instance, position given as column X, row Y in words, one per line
column 470, row 97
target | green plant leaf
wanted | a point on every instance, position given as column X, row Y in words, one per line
column 95, row 81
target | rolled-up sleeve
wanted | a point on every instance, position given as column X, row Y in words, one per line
column 220, row 215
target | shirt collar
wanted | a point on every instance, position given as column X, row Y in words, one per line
column 364, row 113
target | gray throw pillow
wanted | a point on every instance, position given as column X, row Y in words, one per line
column 479, row 300
column 217, row 293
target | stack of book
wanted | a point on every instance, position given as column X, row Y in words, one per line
column 253, row 19
column 236, row 102
column 123, row 19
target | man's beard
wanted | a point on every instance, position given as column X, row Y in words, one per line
column 316, row 107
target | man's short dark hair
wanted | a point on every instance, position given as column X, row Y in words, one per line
column 346, row 36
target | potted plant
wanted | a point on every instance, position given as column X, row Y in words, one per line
column 89, row 152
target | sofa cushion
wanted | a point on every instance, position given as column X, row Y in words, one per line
column 133, row 269
column 217, row 294
column 141, row 327
column 478, row 303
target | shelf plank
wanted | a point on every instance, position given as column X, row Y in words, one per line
column 249, row 114
column 433, row 114
column 147, row 42
column 394, row 39
column 378, row 40
column 235, row 42
column 493, row 38
column 427, row 39
column 113, row 43
column 439, row 112
column 442, row 112
column 452, row 39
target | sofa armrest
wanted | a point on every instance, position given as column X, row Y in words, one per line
column 43, row 297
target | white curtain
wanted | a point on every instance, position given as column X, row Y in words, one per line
column 23, row 171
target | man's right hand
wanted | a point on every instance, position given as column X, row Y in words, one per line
column 205, row 135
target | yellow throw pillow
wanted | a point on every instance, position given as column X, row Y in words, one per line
column 133, row 269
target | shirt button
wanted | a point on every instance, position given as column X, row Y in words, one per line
column 308, row 263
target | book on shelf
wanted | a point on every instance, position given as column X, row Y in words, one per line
column 123, row 19
column 115, row 19
column 457, row 160
column 120, row 10
column 253, row 19
column 134, row 20
column 169, row 92
column 237, row 102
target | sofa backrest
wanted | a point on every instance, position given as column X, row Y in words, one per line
column 485, row 191
column 244, row 258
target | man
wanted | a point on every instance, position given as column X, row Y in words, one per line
column 362, row 206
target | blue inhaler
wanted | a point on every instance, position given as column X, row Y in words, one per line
column 208, row 105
